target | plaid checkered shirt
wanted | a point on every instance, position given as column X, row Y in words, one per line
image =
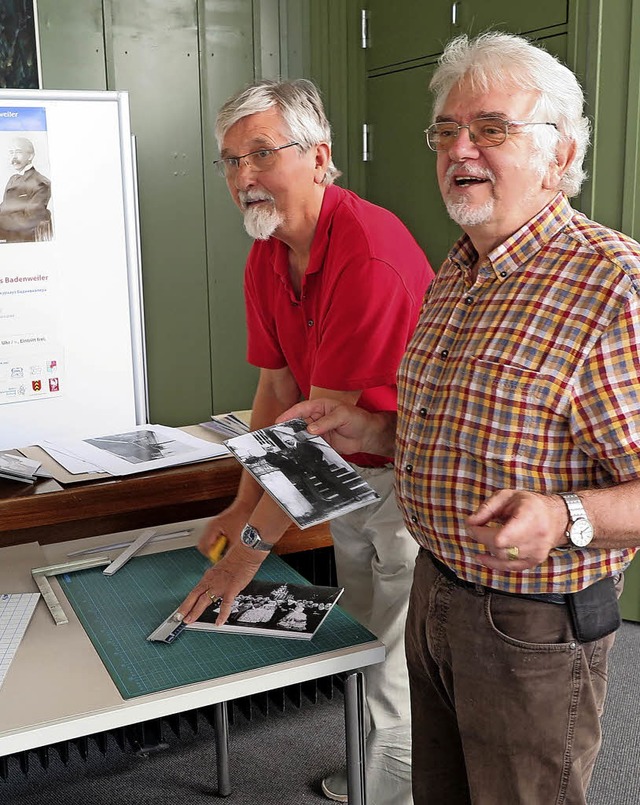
column 527, row 377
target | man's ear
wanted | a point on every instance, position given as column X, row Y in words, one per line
column 565, row 154
column 323, row 157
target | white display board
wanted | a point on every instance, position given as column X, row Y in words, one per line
column 71, row 332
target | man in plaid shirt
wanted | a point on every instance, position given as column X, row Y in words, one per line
column 517, row 441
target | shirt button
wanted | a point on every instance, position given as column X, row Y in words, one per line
column 310, row 322
column 414, row 519
column 503, row 273
column 444, row 353
column 423, row 412
column 409, row 468
column 468, row 300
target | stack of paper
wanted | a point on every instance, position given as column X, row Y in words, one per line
column 140, row 449
column 18, row 468
column 226, row 425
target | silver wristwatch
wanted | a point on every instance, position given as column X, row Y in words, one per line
column 580, row 531
column 250, row 537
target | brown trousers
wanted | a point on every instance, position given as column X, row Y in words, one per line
column 505, row 702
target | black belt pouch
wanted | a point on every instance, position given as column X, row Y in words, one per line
column 595, row 611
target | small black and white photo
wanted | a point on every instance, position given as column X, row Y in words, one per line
column 302, row 472
column 274, row 609
column 137, row 449
column 139, row 446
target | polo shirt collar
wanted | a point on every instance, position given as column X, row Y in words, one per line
column 330, row 201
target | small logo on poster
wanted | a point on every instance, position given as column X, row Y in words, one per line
column 54, row 384
column 52, row 366
column 36, row 385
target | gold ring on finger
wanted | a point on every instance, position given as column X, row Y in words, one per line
column 213, row 596
column 513, row 553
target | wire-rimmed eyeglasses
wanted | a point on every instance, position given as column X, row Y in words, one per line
column 261, row 160
column 484, row 132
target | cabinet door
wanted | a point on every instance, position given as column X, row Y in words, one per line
column 401, row 174
column 406, row 30
column 411, row 29
column 474, row 16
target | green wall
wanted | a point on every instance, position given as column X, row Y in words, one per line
column 179, row 60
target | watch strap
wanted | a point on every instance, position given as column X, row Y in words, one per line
column 580, row 531
column 574, row 507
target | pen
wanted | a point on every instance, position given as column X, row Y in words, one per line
column 217, row 550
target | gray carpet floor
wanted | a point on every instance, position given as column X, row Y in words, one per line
column 280, row 759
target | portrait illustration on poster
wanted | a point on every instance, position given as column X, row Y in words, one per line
column 26, row 206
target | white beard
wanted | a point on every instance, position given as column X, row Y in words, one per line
column 465, row 214
column 261, row 221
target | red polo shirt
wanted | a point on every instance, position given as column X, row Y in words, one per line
column 358, row 306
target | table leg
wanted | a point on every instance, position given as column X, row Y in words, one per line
column 355, row 738
column 221, row 726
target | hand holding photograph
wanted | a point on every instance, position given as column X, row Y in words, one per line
column 301, row 472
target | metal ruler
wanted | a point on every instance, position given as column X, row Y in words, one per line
column 41, row 577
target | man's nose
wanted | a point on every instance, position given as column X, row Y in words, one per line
column 245, row 175
column 463, row 146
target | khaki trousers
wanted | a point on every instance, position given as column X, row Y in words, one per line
column 375, row 557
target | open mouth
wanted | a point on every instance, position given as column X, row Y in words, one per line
column 251, row 201
column 468, row 181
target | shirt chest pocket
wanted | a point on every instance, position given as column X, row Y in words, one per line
column 502, row 412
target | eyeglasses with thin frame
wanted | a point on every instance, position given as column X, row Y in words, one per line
column 484, row 132
column 261, row 160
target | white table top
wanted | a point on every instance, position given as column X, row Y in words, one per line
column 58, row 689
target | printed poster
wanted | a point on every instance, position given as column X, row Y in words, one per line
column 31, row 358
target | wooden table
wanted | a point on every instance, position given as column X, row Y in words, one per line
column 48, row 512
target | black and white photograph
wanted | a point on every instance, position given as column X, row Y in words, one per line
column 275, row 610
column 140, row 446
column 137, row 449
column 302, row 473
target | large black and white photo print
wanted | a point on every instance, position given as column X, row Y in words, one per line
column 302, row 472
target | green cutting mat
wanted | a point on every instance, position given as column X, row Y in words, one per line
column 120, row 611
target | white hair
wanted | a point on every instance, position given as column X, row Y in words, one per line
column 497, row 59
column 299, row 104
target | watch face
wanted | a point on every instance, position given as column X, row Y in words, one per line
column 581, row 532
column 249, row 536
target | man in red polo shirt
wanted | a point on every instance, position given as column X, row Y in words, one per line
column 333, row 289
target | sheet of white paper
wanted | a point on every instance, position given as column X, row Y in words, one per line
column 16, row 610
column 71, row 463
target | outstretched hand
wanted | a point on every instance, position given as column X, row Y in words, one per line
column 519, row 529
column 347, row 428
column 222, row 582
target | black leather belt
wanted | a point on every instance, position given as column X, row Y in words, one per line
column 547, row 598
